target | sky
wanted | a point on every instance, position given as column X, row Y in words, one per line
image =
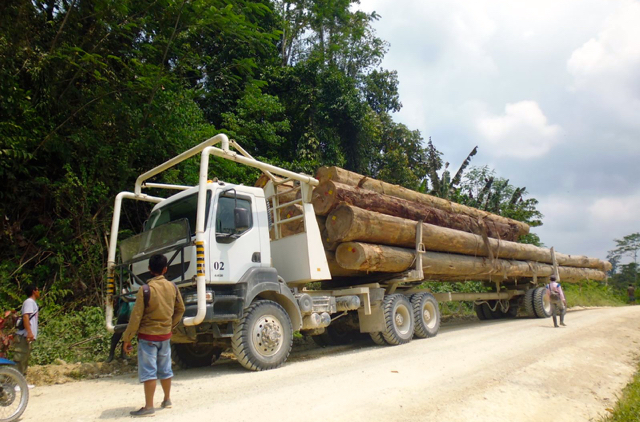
column 549, row 91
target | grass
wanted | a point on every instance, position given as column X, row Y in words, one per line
column 628, row 407
column 592, row 293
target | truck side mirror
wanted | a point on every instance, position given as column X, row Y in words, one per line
column 241, row 219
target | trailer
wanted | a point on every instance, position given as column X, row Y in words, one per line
column 246, row 286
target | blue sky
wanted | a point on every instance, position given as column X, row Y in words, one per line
column 548, row 90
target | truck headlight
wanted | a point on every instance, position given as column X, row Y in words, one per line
column 193, row 297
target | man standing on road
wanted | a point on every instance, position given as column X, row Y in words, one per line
column 29, row 331
column 631, row 291
column 154, row 319
column 558, row 301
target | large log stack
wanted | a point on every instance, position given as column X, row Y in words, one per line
column 369, row 230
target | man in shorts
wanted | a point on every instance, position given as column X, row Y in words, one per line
column 154, row 319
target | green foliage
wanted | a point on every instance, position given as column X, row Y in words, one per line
column 481, row 188
column 627, row 246
column 592, row 293
column 444, row 186
column 461, row 307
column 77, row 336
column 8, row 321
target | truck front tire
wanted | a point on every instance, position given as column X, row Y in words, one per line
column 263, row 337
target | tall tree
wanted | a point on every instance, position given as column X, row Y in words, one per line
column 629, row 246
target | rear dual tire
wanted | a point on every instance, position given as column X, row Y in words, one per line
column 399, row 321
column 426, row 315
column 541, row 303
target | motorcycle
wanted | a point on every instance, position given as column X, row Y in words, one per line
column 14, row 391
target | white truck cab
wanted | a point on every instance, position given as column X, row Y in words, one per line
column 238, row 277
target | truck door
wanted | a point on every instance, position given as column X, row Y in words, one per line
column 233, row 250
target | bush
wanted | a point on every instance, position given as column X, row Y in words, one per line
column 448, row 308
column 592, row 293
column 77, row 336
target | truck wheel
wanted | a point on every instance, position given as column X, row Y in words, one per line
column 479, row 311
column 528, row 303
column 378, row 339
column 194, row 355
column 512, row 312
column 426, row 315
column 398, row 318
column 495, row 313
column 541, row 303
column 262, row 338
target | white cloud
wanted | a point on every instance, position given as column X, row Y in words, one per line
column 587, row 225
column 521, row 132
column 607, row 65
column 575, row 141
column 614, row 211
column 614, row 51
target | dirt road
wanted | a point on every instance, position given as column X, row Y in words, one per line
column 507, row 370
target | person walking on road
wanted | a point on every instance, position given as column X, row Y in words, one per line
column 631, row 291
column 27, row 330
column 558, row 301
column 157, row 311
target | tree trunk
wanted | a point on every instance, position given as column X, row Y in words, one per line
column 328, row 195
column 348, row 223
column 367, row 257
column 339, row 175
column 338, row 271
column 289, row 228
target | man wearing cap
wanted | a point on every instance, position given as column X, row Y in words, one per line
column 558, row 301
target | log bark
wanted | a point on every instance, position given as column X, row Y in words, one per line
column 348, row 223
column 367, row 257
column 293, row 227
column 329, row 195
column 338, row 271
column 339, row 175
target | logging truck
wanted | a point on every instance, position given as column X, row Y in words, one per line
column 256, row 264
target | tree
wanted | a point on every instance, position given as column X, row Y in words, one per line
column 627, row 246
column 482, row 189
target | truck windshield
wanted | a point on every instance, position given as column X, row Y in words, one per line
column 182, row 208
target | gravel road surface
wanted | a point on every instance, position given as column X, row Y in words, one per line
column 505, row 370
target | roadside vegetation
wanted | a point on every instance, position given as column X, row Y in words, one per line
column 593, row 293
column 628, row 407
